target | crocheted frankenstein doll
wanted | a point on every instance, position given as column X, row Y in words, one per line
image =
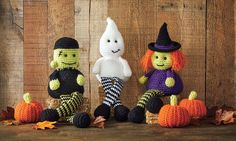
column 112, row 70
column 160, row 62
column 66, row 83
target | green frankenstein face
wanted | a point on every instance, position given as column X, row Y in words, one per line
column 161, row 60
column 65, row 58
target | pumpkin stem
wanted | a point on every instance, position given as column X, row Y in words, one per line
column 173, row 100
column 27, row 98
column 192, row 95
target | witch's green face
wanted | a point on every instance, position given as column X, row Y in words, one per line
column 161, row 60
column 66, row 58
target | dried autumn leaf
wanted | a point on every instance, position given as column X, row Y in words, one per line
column 10, row 122
column 44, row 125
column 7, row 115
column 227, row 117
column 223, row 117
column 3, row 115
column 99, row 122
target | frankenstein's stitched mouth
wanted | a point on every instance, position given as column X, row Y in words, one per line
column 69, row 63
column 160, row 65
column 115, row 51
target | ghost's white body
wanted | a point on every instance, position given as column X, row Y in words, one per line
column 112, row 67
column 111, row 64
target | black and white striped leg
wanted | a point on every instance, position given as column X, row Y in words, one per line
column 120, row 111
column 104, row 108
column 106, row 84
column 114, row 91
column 117, row 103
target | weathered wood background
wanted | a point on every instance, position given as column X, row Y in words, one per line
column 206, row 29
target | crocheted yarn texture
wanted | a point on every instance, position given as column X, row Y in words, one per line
column 159, row 63
column 112, row 48
column 66, row 83
column 28, row 111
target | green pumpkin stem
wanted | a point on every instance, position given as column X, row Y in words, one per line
column 192, row 95
column 27, row 98
column 173, row 100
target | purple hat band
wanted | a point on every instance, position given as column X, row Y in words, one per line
column 163, row 47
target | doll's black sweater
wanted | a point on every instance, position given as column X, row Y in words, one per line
column 68, row 83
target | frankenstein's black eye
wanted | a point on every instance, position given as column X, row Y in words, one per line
column 65, row 55
column 156, row 57
column 108, row 41
column 115, row 41
column 60, row 53
column 74, row 55
column 165, row 58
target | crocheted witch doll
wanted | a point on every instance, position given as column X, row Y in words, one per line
column 112, row 70
column 66, row 83
column 160, row 62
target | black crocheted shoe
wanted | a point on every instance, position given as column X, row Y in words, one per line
column 136, row 115
column 82, row 120
column 121, row 113
column 154, row 104
column 49, row 115
column 102, row 110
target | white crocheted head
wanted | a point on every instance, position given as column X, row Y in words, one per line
column 111, row 42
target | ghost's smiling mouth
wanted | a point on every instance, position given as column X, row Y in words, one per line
column 68, row 63
column 115, row 51
column 160, row 65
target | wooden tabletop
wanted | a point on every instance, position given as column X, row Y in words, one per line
column 120, row 132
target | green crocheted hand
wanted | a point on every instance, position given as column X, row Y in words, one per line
column 142, row 80
column 170, row 82
column 80, row 80
column 54, row 84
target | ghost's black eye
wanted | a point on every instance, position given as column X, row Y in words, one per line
column 65, row 55
column 156, row 57
column 115, row 41
column 73, row 55
column 165, row 58
column 108, row 41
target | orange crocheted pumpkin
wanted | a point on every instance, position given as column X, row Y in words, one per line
column 172, row 115
column 196, row 108
column 28, row 111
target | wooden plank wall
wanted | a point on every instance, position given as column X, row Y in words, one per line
column 11, row 37
column 220, row 53
column 36, row 48
column 205, row 28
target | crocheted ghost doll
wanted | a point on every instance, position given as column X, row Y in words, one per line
column 66, row 83
column 160, row 62
column 112, row 70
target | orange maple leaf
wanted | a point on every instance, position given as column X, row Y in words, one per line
column 44, row 125
column 99, row 122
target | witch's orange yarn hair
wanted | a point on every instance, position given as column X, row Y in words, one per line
column 177, row 57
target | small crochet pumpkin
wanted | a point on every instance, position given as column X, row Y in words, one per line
column 172, row 115
column 196, row 108
column 28, row 111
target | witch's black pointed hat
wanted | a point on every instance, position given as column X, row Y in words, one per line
column 163, row 42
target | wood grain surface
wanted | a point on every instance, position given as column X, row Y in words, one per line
column 11, row 52
column 205, row 28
